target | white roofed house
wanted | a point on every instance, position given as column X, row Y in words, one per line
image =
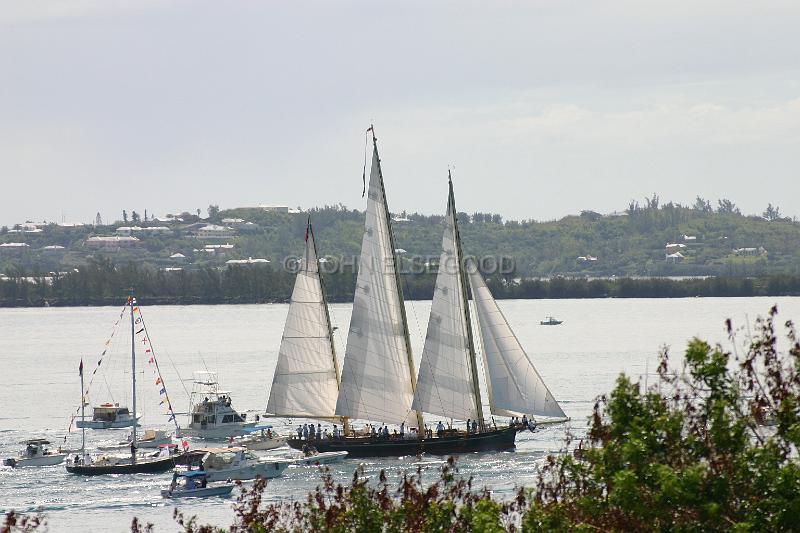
column 177, row 257
column 212, row 232
column 113, row 242
column 14, row 248
column 53, row 249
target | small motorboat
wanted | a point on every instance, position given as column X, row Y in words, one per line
column 195, row 485
column 36, row 454
column 551, row 321
column 313, row 457
column 260, row 438
column 238, row 463
column 153, row 438
column 109, row 416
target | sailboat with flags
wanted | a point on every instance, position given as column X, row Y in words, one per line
column 134, row 463
column 306, row 379
column 379, row 382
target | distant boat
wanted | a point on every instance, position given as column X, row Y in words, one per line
column 35, row 454
column 320, row 458
column 266, row 440
column 551, row 321
column 194, row 486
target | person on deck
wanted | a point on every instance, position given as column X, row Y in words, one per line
column 474, row 426
column 525, row 420
column 319, row 431
column 299, row 432
column 305, row 431
column 335, row 432
column 439, row 429
column 402, row 429
column 311, row 431
column 325, row 435
column 469, row 425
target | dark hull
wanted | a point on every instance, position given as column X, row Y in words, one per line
column 501, row 439
column 142, row 467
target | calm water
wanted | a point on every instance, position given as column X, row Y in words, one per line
column 40, row 350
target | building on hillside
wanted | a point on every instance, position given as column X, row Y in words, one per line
column 248, row 261
column 674, row 247
column 215, row 249
column 232, row 221
column 274, row 208
column 676, row 257
column 178, row 257
column 689, row 238
column 14, row 248
column 113, row 242
column 127, row 230
column 586, row 258
column 212, row 231
column 53, row 249
column 750, row 252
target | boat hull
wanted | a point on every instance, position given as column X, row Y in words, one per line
column 223, row 490
column 140, row 467
column 101, row 424
column 266, row 470
column 497, row 440
column 264, row 444
column 322, row 458
column 217, row 433
column 43, row 460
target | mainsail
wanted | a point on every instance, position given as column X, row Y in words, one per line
column 378, row 374
column 445, row 385
column 306, row 380
column 514, row 385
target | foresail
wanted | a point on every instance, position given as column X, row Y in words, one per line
column 305, row 381
column 514, row 385
column 444, row 385
column 376, row 383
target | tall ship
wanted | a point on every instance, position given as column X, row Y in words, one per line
column 379, row 382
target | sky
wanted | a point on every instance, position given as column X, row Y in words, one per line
column 541, row 109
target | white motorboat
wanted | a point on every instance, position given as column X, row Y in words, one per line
column 239, row 463
column 260, row 438
column 36, row 454
column 195, row 485
column 320, row 458
column 109, row 416
column 152, row 438
column 211, row 415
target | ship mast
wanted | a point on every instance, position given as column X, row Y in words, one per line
column 473, row 366
column 131, row 302
column 411, row 368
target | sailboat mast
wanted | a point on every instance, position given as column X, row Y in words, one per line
column 83, row 417
column 473, row 366
column 411, row 368
column 133, row 377
column 327, row 316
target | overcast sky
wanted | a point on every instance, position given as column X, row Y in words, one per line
column 542, row 108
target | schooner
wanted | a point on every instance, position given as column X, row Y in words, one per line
column 379, row 381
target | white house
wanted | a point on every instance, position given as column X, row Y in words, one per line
column 111, row 242
column 677, row 257
column 212, row 231
column 14, row 247
column 674, row 247
column 248, row 261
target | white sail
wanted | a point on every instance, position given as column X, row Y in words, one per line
column 444, row 385
column 305, row 383
column 514, row 385
column 376, row 376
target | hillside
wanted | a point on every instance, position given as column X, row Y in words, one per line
column 630, row 243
